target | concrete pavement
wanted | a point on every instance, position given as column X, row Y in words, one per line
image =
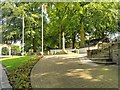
column 4, row 83
column 73, row 71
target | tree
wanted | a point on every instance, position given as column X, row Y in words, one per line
column 32, row 16
column 69, row 20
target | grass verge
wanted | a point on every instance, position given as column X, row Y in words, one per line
column 19, row 69
column 13, row 62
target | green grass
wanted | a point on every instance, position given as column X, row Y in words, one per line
column 14, row 62
column 19, row 70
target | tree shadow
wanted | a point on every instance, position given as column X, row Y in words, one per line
column 69, row 73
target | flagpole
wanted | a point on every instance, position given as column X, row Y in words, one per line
column 23, row 36
column 42, row 29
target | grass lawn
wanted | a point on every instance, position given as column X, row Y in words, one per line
column 14, row 62
column 19, row 70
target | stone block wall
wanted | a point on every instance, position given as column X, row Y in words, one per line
column 116, row 56
column 92, row 53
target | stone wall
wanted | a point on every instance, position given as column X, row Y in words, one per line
column 116, row 56
column 92, row 53
column 114, row 53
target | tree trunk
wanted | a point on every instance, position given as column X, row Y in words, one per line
column 73, row 41
column 60, row 39
column 63, row 39
column 34, row 48
column 82, row 34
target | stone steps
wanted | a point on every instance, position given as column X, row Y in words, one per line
column 100, row 56
column 100, row 59
column 104, row 62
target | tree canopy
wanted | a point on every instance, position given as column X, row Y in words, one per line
column 75, row 19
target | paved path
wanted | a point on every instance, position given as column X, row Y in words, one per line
column 4, row 83
column 72, row 71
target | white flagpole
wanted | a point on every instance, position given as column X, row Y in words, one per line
column 23, row 36
column 42, row 29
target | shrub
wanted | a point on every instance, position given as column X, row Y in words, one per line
column 20, row 77
column 15, row 50
column 5, row 51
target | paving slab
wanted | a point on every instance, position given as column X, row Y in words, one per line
column 4, row 83
column 72, row 71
